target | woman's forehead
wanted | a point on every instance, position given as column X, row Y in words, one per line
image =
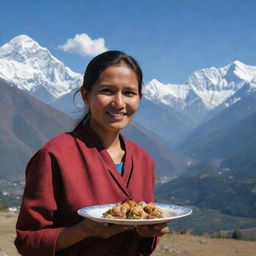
column 118, row 73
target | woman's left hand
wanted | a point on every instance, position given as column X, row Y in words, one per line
column 152, row 230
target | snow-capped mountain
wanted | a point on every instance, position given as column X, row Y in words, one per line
column 215, row 85
column 210, row 86
column 168, row 94
column 33, row 68
column 181, row 97
column 180, row 107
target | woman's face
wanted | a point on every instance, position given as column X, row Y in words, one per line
column 114, row 98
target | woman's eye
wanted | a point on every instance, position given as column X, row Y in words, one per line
column 130, row 93
column 106, row 91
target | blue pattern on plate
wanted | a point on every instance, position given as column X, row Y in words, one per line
column 171, row 212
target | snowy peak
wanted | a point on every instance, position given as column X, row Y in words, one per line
column 205, row 89
column 25, row 50
column 242, row 71
column 156, row 90
column 33, row 68
column 215, row 85
column 222, row 77
column 168, row 94
column 19, row 47
column 163, row 90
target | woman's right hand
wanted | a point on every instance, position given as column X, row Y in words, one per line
column 103, row 230
column 85, row 229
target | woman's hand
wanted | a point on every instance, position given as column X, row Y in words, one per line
column 103, row 230
column 85, row 229
column 152, row 230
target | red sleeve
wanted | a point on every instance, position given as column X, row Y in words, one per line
column 36, row 231
column 153, row 174
column 148, row 245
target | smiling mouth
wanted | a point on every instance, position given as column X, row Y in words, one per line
column 116, row 114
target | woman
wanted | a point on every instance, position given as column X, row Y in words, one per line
column 91, row 165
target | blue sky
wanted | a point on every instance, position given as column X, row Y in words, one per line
column 170, row 38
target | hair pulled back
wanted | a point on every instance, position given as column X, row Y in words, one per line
column 110, row 58
column 101, row 62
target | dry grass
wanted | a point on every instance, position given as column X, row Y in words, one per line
column 171, row 244
column 7, row 233
column 188, row 245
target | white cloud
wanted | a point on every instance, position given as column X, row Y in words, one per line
column 84, row 45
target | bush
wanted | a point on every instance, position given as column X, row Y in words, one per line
column 237, row 234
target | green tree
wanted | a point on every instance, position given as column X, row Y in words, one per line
column 237, row 234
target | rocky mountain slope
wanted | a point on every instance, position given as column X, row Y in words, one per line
column 31, row 67
column 28, row 123
column 210, row 118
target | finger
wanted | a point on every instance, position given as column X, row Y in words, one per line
column 152, row 230
column 144, row 231
column 115, row 229
column 160, row 225
column 163, row 231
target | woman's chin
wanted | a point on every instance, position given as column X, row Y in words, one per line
column 118, row 125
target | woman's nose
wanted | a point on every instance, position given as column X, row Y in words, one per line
column 118, row 100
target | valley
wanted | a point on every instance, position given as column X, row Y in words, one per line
column 201, row 133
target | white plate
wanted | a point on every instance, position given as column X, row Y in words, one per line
column 170, row 212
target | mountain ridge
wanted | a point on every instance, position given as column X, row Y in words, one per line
column 214, row 108
column 27, row 123
column 33, row 68
column 211, row 85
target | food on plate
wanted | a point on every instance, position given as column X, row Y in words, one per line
column 132, row 210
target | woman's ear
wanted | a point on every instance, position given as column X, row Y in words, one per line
column 85, row 95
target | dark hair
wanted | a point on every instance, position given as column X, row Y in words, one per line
column 110, row 58
column 104, row 60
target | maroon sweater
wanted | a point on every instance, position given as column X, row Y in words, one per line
column 73, row 171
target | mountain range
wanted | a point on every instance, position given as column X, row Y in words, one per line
column 27, row 123
column 196, row 118
column 31, row 67
column 27, row 65
column 201, row 133
column 189, row 117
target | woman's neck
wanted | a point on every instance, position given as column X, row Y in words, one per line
column 111, row 142
column 107, row 138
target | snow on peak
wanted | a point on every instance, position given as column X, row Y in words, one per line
column 242, row 71
column 159, row 90
column 168, row 94
column 211, row 85
column 20, row 48
column 238, row 62
column 32, row 67
column 155, row 89
column 21, row 40
column 215, row 85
